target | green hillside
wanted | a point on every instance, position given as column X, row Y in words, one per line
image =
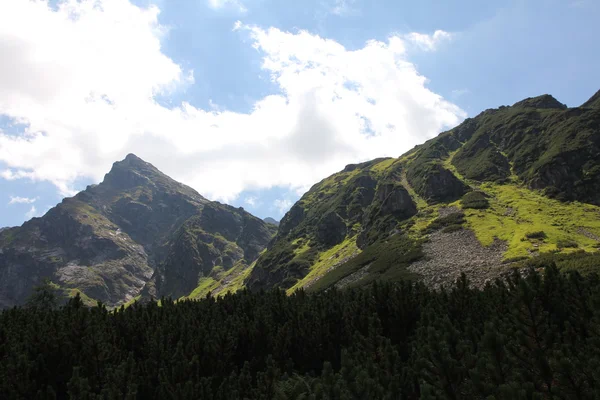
column 502, row 187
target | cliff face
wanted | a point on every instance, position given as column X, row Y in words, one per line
column 112, row 239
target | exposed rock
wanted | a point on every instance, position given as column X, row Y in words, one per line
column 447, row 255
column 291, row 219
column 588, row 234
column 441, row 185
column 393, row 199
column 392, row 203
column 445, row 211
column 331, row 229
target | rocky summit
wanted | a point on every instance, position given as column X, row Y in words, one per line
column 137, row 234
column 498, row 191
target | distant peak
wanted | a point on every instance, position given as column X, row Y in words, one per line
column 271, row 221
column 545, row 101
column 133, row 160
column 132, row 171
column 593, row 102
column 132, row 157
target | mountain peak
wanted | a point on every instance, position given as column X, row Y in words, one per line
column 593, row 102
column 132, row 171
column 133, row 161
column 544, row 101
column 271, row 221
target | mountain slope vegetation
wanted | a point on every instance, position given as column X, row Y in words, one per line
column 506, row 185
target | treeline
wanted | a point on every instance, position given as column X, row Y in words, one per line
column 530, row 337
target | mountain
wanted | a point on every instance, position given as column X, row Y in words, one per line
column 137, row 234
column 271, row 221
column 508, row 184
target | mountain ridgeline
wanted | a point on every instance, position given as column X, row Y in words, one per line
column 500, row 188
column 138, row 234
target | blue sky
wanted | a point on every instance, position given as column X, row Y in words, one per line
column 252, row 101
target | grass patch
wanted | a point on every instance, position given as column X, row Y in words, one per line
column 566, row 244
column 205, row 285
column 516, row 211
column 419, row 201
column 536, row 235
column 454, row 220
column 382, row 166
column 475, row 199
column 389, row 258
column 325, row 260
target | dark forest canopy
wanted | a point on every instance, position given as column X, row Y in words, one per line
column 535, row 336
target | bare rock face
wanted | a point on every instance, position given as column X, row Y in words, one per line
column 441, row 185
column 331, row 229
column 137, row 228
column 393, row 199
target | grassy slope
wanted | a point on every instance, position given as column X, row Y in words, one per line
column 514, row 213
column 221, row 282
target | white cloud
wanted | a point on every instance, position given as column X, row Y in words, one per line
column 428, row 42
column 282, row 205
column 235, row 4
column 252, row 201
column 21, row 200
column 456, row 93
column 31, row 213
column 85, row 78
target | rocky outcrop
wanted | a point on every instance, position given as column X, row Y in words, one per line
column 440, row 185
column 291, row 219
column 331, row 229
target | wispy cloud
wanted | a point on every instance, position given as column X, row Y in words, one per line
column 428, row 42
column 343, row 7
column 234, row 4
column 456, row 93
column 252, row 201
column 31, row 213
column 282, row 205
column 21, row 200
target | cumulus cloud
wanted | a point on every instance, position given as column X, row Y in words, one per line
column 85, row 76
column 21, row 200
column 428, row 42
column 235, row 4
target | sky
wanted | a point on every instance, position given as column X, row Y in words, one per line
column 251, row 102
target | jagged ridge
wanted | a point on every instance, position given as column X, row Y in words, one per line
column 138, row 232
